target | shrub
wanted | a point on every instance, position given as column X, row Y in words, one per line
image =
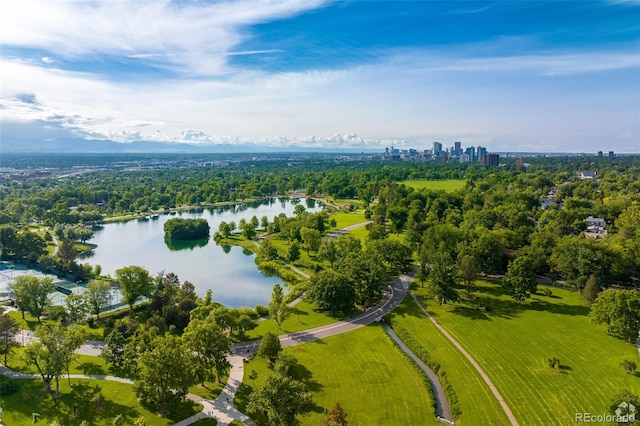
column 547, row 292
column 629, row 366
column 8, row 387
column 553, row 363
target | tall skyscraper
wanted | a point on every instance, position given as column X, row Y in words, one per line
column 437, row 148
column 457, row 150
column 481, row 153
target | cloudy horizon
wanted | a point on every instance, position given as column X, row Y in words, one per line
column 512, row 76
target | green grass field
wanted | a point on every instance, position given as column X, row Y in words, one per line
column 365, row 372
column 513, row 341
column 118, row 398
column 478, row 405
column 344, row 219
column 303, row 317
column 448, row 185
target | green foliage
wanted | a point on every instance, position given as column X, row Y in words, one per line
column 98, row 296
column 520, row 282
column 417, row 348
column 278, row 309
column 164, row 373
column 629, row 366
column 53, row 353
column 8, row 329
column 281, row 397
column 620, row 404
column 619, row 310
column 577, row 258
column 208, row 343
column 134, row 283
column 331, row 291
column 186, row 229
column 32, row 294
column 442, row 279
column 336, row 416
column 591, row 290
column 553, row 363
column 269, row 347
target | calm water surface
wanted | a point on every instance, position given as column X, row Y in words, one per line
column 233, row 276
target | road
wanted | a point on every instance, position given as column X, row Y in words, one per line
column 392, row 298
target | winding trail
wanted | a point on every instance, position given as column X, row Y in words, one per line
column 473, row 362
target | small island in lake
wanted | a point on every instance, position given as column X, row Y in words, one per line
column 186, row 229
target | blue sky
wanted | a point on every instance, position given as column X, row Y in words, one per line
column 510, row 75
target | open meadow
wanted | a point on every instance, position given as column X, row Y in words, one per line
column 361, row 369
column 448, row 185
column 513, row 341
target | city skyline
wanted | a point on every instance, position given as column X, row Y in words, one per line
column 514, row 76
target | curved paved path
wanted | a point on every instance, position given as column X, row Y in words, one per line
column 443, row 409
column 473, row 362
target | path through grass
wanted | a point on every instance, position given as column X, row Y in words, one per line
column 477, row 403
column 512, row 342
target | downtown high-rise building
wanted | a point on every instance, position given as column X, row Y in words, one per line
column 457, row 148
column 437, row 148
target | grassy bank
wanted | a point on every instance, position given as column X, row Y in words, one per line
column 512, row 342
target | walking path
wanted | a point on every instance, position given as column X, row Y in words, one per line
column 443, row 409
column 473, row 362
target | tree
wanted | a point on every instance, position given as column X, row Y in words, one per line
column 366, row 273
column 164, row 373
column 269, row 347
column 331, row 291
column 591, row 290
column 77, row 308
column 67, row 252
column 268, row 251
column 376, row 232
column 577, row 258
column 520, row 282
column 442, row 279
column 311, row 238
column 398, row 255
column 629, row 366
column 328, row 251
column 469, row 270
column 293, row 253
column 281, row 398
column 248, row 230
column 621, row 406
column 98, row 296
column 278, row 309
column 134, row 283
column 8, row 330
column 210, row 346
column 53, row 353
column 32, row 294
column 336, row 416
column 619, row 310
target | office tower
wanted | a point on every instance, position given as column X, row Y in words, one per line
column 437, row 148
column 481, row 153
column 457, row 150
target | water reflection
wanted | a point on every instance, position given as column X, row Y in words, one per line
column 229, row 271
column 175, row 245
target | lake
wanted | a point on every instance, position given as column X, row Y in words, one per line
column 233, row 276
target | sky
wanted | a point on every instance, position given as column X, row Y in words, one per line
column 534, row 76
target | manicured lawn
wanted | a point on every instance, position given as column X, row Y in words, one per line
column 477, row 403
column 303, row 317
column 365, row 372
column 513, row 341
column 211, row 391
column 344, row 219
column 30, row 323
column 84, row 364
column 118, row 398
column 448, row 185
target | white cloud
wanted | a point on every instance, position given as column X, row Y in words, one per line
column 192, row 37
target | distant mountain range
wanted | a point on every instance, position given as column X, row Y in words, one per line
column 15, row 145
